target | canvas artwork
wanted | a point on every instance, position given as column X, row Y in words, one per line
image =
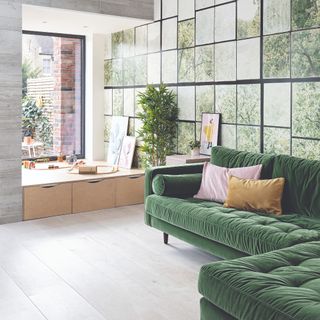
column 127, row 152
column 119, row 129
column 209, row 132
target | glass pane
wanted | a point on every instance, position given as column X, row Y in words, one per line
column 185, row 9
column 169, row 34
column 276, row 56
column 186, row 102
column 117, row 72
column 154, row 68
column 305, row 14
column 276, row 16
column 186, row 133
column 225, row 22
column 108, row 102
column 204, row 63
column 277, row 140
column 128, row 103
column 154, row 37
column 169, row 8
column 200, row 4
column 107, row 128
column 186, row 34
column 141, row 40
column 249, row 104
column 307, row 149
column 306, row 54
column 205, row 26
column 226, row 101
column 248, row 59
column 248, row 139
column 225, row 61
column 108, row 73
column 128, row 71
column 186, row 65
column 141, row 70
column 248, row 18
column 117, row 44
column 52, row 95
column 306, row 110
column 277, row 101
column 229, row 136
column 117, row 102
column 128, row 43
column 204, row 100
column 169, row 66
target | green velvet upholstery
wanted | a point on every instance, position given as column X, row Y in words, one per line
column 180, row 186
column 302, row 188
column 284, row 284
column 248, row 232
column 213, row 247
column 211, row 312
column 172, row 170
column 281, row 280
column 224, row 157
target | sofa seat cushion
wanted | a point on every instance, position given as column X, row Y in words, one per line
column 283, row 284
column 247, row 232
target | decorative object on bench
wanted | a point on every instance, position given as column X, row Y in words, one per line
column 210, row 127
column 119, row 129
column 214, row 185
column 159, row 113
column 195, row 148
column 127, row 152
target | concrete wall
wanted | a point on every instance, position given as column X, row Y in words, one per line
column 129, row 8
column 10, row 111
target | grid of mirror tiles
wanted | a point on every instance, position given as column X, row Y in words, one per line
column 256, row 62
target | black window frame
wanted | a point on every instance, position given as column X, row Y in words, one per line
column 83, row 86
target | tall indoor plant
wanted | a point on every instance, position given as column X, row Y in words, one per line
column 159, row 113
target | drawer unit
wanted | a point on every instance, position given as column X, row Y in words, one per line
column 47, row 200
column 93, row 195
column 129, row 190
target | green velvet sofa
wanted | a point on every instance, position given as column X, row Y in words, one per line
column 275, row 273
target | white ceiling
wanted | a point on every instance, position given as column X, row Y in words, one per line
column 44, row 19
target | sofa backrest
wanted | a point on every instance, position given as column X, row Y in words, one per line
column 302, row 188
column 229, row 158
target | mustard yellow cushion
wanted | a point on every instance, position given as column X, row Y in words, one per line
column 255, row 195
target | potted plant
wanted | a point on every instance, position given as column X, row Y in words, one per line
column 195, row 148
column 159, row 115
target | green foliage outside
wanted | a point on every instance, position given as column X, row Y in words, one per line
column 35, row 123
column 159, row 113
column 28, row 72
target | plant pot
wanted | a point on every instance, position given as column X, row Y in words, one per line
column 27, row 140
column 195, row 152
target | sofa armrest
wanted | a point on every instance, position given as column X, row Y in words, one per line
column 172, row 170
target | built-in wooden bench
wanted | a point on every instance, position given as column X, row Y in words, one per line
column 49, row 193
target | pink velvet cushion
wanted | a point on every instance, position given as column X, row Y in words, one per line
column 214, row 184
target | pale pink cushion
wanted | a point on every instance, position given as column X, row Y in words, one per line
column 214, row 184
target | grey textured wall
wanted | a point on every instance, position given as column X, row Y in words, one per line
column 142, row 9
column 10, row 111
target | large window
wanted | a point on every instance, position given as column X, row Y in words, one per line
column 53, row 95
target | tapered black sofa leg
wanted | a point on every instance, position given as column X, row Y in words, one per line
column 165, row 238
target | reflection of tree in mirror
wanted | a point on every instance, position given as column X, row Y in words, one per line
column 306, row 53
column 248, row 18
column 305, row 13
column 249, row 104
column 306, row 110
column 277, row 56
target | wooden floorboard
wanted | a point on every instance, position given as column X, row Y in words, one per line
column 98, row 265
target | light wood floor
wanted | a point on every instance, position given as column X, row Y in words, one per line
column 101, row 265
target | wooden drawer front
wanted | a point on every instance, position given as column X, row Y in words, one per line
column 129, row 190
column 93, row 195
column 47, row 201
